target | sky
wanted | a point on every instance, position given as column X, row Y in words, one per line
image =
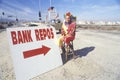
column 86, row 10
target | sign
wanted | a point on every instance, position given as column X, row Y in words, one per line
column 34, row 50
column 52, row 14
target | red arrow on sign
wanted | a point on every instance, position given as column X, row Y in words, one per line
column 44, row 50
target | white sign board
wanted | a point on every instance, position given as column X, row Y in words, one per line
column 52, row 14
column 34, row 50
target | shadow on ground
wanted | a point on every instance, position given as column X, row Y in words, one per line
column 79, row 53
column 84, row 51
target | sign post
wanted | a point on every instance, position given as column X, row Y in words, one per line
column 34, row 50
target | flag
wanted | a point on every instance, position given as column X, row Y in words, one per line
column 40, row 15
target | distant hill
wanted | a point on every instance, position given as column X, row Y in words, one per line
column 6, row 20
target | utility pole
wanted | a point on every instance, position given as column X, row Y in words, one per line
column 50, row 3
column 1, row 17
column 40, row 17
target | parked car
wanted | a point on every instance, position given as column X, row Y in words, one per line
column 57, row 24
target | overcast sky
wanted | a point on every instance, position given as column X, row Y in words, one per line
column 96, row 10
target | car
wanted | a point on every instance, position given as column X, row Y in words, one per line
column 32, row 25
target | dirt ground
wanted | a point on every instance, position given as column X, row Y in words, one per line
column 98, row 51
